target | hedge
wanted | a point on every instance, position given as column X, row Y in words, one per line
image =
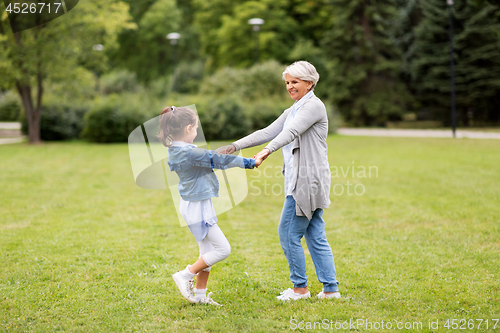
column 113, row 119
column 59, row 121
column 10, row 106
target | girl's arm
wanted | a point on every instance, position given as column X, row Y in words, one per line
column 223, row 161
column 211, row 159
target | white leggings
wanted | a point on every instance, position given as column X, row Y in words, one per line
column 214, row 247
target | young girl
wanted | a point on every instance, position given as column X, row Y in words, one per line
column 197, row 185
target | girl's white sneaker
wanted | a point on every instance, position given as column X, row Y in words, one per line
column 323, row 295
column 288, row 294
column 208, row 300
column 185, row 286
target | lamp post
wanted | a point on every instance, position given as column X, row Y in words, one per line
column 256, row 23
column 452, row 70
column 174, row 37
column 98, row 48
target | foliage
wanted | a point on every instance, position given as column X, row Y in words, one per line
column 377, row 60
column 364, row 83
column 228, row 40
column 95, row 21
column 223, row 118
column 60, row 120
column 10, row 106
column 260, row 81
column 187, row 77
column 75, row 86
column 118, row 82
column 263, row 112
column 146, row 51
column 476, row 54
column 403, row 33
column 57, row 48
column 113, row 118
column 306, row 50
column 160, row 87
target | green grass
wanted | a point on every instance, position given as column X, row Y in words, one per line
column 82, row 248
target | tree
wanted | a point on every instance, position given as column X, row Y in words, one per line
column 476, row 54
column 55, row 49
column 364, row 81
column 146, row 51
column 227, row 39
column 403, row 33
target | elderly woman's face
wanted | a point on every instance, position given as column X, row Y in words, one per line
column 297, row 88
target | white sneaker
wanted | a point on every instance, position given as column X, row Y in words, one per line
column 185, row 286
column 288, row 294
column 323, row 295
column 208, row 300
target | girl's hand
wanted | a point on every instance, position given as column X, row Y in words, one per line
column 261, row 156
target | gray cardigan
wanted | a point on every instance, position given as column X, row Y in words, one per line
column 308, row 131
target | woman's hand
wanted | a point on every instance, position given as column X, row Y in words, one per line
column 229, row 149
column 261, row 156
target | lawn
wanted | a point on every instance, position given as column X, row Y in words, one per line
column 416, row 241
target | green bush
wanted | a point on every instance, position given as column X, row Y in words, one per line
column 160, row 87
column 187, row 77
column 59, row 121
column 263, row 80
column 260, row 81
column 112, row 119
column 223, row 82
column 335, row 119
column 119, row 82
column 223, row 118
column 10, row 106
column 263, row 112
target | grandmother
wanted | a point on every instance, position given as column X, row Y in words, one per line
column 300, row 132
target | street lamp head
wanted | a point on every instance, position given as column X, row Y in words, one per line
column 98, row 47
column 256, row 23
column 450, row 2
column 173, row 36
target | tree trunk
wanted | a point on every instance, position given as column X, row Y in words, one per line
column 32, row 115
column 24, row 88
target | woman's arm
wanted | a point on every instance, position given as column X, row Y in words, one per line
column 308, row 115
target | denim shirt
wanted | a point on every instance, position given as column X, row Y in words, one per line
column 194, row 166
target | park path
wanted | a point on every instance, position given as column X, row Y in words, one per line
column 10, row 133
column 417, row 133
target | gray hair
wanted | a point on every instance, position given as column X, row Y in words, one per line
column 302, row 70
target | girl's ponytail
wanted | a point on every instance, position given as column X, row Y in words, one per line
column 173, row 121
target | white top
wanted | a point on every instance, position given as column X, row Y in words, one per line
column 201, row 211
column 287, row 150
column 199, row 215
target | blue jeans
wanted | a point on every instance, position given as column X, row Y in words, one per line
column 290, row 230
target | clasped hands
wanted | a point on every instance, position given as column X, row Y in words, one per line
column 259, row 157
